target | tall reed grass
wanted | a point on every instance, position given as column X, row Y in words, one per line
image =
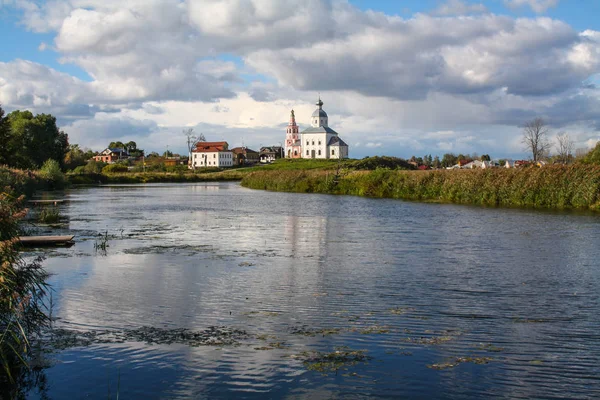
column 554, row 187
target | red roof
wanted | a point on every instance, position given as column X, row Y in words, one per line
column 423, row 167
column 210, row 147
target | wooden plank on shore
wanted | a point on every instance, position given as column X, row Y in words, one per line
column 55, row 202
column 46, row 240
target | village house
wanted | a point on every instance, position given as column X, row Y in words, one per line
column 211, row 154
column 111, row 155
column 317, row 141
column 244, row 156
column 270, row 154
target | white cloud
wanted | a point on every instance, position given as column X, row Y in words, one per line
column 235, row 68
column 539, row 6
column 43, row 46
column 459, row 7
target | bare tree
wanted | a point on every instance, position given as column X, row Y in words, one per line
column 535, row 138
column 564, row 147
column 192, row 141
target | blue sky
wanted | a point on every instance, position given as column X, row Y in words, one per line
column 423, row 80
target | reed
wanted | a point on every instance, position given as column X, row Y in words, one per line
column 553, row 187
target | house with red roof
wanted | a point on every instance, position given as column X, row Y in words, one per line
column 211, row 154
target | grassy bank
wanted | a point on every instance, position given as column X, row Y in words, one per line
column 555, row 187
column 237, row 174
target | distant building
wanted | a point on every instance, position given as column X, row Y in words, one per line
column 270, row 154
column 111, row 155
column 211, row 154
column 244, row 156
column 293, row 145
column 317, row 141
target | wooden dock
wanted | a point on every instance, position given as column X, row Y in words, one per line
column 36, row 241
column 44, row 202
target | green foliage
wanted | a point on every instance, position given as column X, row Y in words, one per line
column 593, row 157
column 51, row 172
column 94, row 167
column 5, row 136
column 558, row 187
column 33, row 140
column 76, row 157
column 22, row 290
column 373, row 163
column 49, row 215
column 116, row 167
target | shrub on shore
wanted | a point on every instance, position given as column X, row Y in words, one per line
column 22, row 291
column 557, row 187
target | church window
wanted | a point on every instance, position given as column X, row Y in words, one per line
column 313, row 142
column 319, row 152
column 307, row 152
column 319, row 142
column 332, row 152
column 307, row 142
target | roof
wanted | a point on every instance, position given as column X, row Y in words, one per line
column 319, row 129
column 114, row 150
column 336, row 141
column 319, row 113
column 242, row 150
column 210, row 147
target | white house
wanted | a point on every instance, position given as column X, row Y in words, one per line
column 211, row 154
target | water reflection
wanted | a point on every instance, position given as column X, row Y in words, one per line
column 414, row 284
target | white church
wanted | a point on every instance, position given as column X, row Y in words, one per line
column 318, row 141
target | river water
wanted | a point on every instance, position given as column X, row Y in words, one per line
column 423, row 300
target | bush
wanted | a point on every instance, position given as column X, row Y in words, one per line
column 593, row 157
column 114, row 168
column 79, row 170
column 51, row 171
column 94, row 167
column 22, row 291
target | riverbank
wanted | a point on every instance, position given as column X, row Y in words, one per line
column 553, row 187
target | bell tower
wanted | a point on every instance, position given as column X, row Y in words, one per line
column 291, row 136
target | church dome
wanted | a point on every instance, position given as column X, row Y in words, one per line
column 319, row 111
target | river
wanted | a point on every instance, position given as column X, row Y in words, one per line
column 319, row 296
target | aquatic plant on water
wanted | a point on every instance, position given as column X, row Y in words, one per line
column 49, row 215
column 101, row 244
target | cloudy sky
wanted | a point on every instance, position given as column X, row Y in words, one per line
column 397, row 77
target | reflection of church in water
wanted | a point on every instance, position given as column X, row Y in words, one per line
column 317, row 141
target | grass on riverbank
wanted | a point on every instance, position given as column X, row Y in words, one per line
column 555, row 187
column 237, row 174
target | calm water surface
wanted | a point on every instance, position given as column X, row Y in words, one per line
column 414, row 285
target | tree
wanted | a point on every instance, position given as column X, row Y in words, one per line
column 593, row 156
column 192, row 142
column 564, row 147
column 35, row 139
column 535, row 138
column 449, row 160
column 485, row 157
column 116, row 145
column 4, row 138
column 75, row 157
column 436, row 162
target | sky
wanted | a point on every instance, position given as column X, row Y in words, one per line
column 397, row 78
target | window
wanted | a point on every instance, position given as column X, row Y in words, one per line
column 307, row 152
column 313, row 142
column 332, row 152
column 319, row 152
column 214, row 156
column 319, row 142
column 307, row 142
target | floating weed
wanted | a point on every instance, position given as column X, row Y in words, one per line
column 265, row 337
column 401, row 310
column 536, row 362
column 375, row 329
column 435, row 340
column 271, row 346
column 320, row 294
column 316, row 332
column 460, row 360
column 528, row 321
column 246, row 264
column 491, row 348
column 49, row 215
column 324, row 363
column 261, row 314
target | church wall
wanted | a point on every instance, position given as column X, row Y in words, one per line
column 316, row 142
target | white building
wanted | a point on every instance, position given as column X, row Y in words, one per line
column 320, row 141
column 211, row 154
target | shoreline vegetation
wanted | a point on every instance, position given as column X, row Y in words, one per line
column 556, row 187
